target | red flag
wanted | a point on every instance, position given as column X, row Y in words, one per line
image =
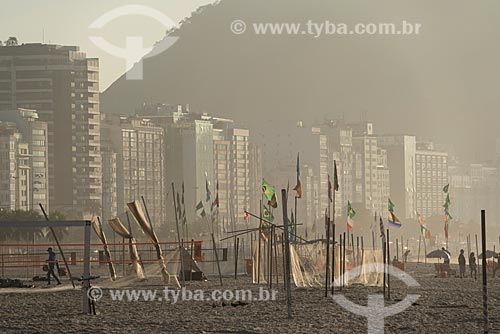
column 245, row 215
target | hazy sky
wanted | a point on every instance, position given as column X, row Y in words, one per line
column 66, row 22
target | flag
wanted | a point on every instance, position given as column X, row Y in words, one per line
column 209, row 194
column 393, row 220
column 391, row 217
column 268, row 190
column 423, row 227
column 382, row 232
column 335, row 177
column 298, row 187
column 245, row 216
column 390, row 205
column 446, row 188
column 199, row 206
column 350, row 215
column 267, row 215
column 273, row 202
column 330, row 189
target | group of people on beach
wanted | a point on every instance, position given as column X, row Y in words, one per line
column 462, row 264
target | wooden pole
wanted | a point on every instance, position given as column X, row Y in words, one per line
column 192, row 259
column 384, row 253
column 397, row 249
column 388, row 267
column 425, row 251
column 295, row 222
column 333, row 254
column 341, row 243
column 123, row 257
column 485, row 278
column 178, row 232
column 357, row 251
column 343, row 261
column 327, row 261
column 276, row 256
column 283, row 256
column 58, row 245
column 287, row 253
column 270, row 253
column 259, row 246
column 477, row 248
column 236, row 258
column 419, row 241
column 216, row 258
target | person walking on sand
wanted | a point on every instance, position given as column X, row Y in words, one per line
column 52, row 261
column 472, row 265
column 461, row 263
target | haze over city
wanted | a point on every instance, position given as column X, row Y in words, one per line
column 249, row 145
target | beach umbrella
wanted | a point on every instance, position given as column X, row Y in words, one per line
column 438, row 254
column 489, row 254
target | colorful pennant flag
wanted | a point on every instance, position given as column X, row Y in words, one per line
column 350, row 215
column 391, row 217
column 423, row 227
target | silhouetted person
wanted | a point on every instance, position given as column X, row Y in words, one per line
column 52, row 263
column 472, row 265
column 461, row 263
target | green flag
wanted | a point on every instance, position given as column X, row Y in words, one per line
column 267, row 215
column 390, row 206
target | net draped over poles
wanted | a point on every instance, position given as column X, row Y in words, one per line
column 97, row 226
column 136, row 210
column 117, row 226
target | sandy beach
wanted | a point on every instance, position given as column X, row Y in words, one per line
column 446, row 305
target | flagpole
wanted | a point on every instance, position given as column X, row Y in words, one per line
column 178, row 233
column 295, row 222
column 332, row 218
column 259, row 237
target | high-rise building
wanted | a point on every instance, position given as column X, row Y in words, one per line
column 135, row 158
column 34, row 134
column 109, row 174
column 371, row 170
column 62, row 84
column 431, row 174
column 15, row 181
column 474, row 187
column 232, row 169
column 401, row 150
